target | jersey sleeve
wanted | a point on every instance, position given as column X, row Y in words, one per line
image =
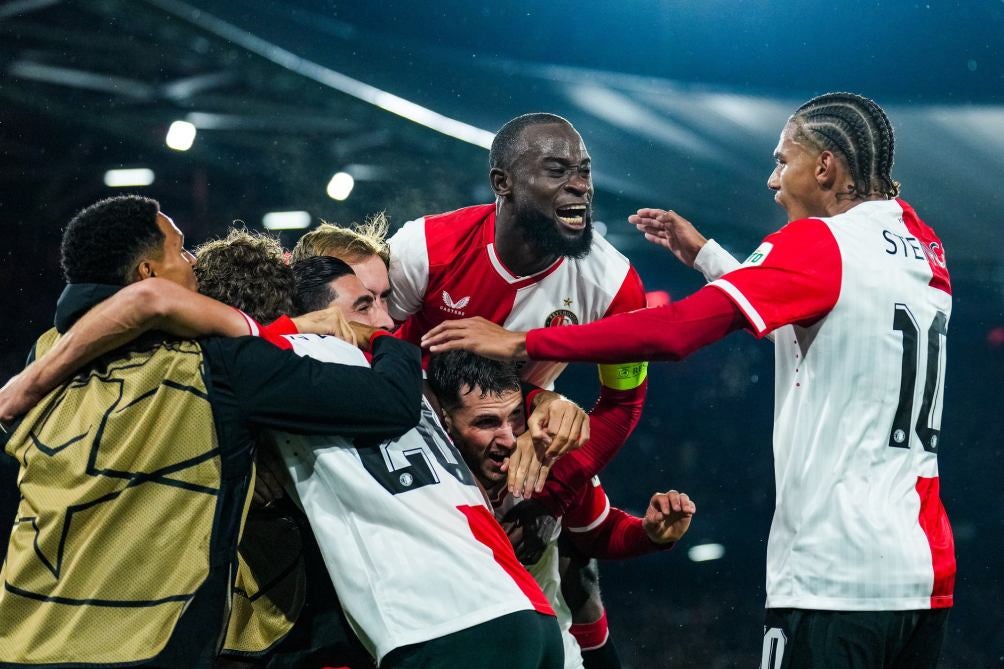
column 611, row 422
column 601, row 531
column 714, row 262
column 793, row 277
column 630, row 296
column 409, row 269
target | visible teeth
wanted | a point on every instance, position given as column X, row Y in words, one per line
column 571, row 220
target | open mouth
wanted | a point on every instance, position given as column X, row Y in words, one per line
column 498, row 457
column 572, row 216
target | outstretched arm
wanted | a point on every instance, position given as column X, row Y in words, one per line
column 152, row 304
column 671, row 332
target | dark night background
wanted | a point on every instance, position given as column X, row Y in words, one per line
column 680, row 104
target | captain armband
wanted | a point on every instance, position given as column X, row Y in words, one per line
column 623, row 376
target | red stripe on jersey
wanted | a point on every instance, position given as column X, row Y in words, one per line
column 932, row 246
column 487, row 530
column 934, row 521
column 630, row 296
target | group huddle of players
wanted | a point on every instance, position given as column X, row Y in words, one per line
column 310, row 497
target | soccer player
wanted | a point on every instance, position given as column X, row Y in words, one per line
column 364, row 247
column 856, row 291
column 415, row 497
column 134, row 475
column 483, row 411
column 529, row 259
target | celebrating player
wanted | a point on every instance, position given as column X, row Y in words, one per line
column 483, row 411
column 855, row 289
column 529, row 259
column 135, row 474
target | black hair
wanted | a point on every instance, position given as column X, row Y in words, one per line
column 449, row 373
column 246, row 270
column 859, row 131
column 313, row 277
column 505, row 146
column 104, row 242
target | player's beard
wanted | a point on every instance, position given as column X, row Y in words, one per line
column 542, row 232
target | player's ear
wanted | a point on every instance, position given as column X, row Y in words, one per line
column 827, row 169
column 144, row 270
column 447, row 421
column 501, row 181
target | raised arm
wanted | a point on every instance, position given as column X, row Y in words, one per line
column 152, row 304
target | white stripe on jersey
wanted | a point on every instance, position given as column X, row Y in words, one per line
column 402, row 557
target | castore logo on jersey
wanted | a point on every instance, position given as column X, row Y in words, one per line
column 454, row 307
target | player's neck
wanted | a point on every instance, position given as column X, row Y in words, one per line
column 520, row 256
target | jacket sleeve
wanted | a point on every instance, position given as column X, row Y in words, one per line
column 280, row 390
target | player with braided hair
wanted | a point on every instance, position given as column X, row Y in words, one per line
column 857, row 129
column 856, row 293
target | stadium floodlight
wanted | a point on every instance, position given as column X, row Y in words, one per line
column 340, row 186
column 139, row 176
column 705, row 552
column 180, row 136
column 286, row 220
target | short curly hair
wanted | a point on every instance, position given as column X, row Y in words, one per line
column 104, row 242
column 348, row 244
column 247, row 270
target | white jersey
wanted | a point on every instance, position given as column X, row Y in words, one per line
column 859, row 306
column 411, row 546
column 445, row 267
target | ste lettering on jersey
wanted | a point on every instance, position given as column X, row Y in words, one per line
column 446, row 267
column 859, row 305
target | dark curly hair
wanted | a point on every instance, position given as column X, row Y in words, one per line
column 104, row 242
column 505, row 146
column 246, row 270
column 859, row 131
column 457, row 373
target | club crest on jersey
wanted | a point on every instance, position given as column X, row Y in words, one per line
column 454, row 307
column 758, row 256
column 560, row 317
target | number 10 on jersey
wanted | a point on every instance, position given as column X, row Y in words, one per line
column 928, row 426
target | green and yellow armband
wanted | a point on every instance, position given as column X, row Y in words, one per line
column 625, row 376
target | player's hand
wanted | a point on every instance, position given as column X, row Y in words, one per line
column 668, row 516
column 363, row 334
column 530, row 528
column 19, row 395
column 330, row 321
column 526, row 469
column 477, row 335
column 269, row 476
column 670, row 231
column 557, row 426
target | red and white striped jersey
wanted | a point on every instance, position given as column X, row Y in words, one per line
column 411, row 546
column 859, row 306
column 445, row 266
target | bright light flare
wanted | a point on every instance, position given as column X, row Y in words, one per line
column 706, row 552
column 180, row 136
column 286, row 220
column 140, row 176
column 340, row 186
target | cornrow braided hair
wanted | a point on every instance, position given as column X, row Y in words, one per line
column 859, row 131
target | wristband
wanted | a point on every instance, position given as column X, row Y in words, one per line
column 625, row 376
column 591, row 635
